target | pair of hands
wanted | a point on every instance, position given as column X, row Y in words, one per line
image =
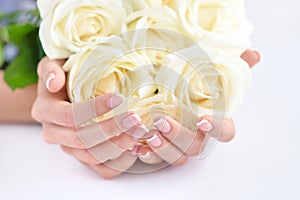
column 112, row 146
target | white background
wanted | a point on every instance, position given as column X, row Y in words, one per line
column 262, row 162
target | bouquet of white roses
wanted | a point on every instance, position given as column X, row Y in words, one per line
column 179, row 58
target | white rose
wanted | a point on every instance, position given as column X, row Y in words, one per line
column 185, row 85
column 217, row 23
column 67, row 25
column 206, row 86
column 130, row 73
column 134, row 5
column 158, row 17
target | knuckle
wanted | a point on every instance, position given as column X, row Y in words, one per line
column 109, row 127
column 64, row 149
column 68, row 118
column 35, row 114
column 88, row 158
column 122, row 142
column 76, row 141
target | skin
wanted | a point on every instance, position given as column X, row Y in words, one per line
column 52, row 109
column 12, row 109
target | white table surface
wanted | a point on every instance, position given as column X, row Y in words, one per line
column 263, row 161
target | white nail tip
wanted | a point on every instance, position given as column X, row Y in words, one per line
column 130, row 149
column 137, row 117
column 50, row 78
column 146, row 156
column 144, row 128
column 161, row 121
column 202, row 122
column 154, row 137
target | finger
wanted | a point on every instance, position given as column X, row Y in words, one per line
column 251, row 57
column 146, row 155
column 108, row 150
column 104, row 171
column 123, row 163
column 128, row 123
column 51, row 74
column 114, row 168
column 51, row 109
column 54, row 134
column 164, row 149
column 81, row 155
column 221, row 129
column 112, row 149
column 88, row 136
column 189, row 142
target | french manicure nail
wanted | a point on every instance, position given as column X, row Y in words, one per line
column 115, row 100
column 154, row 141
column 50, row 77
column 140, row 131
column 145, row 156
column 131, row 121
column 162, row 125
column 135, row 150
column 204, row 125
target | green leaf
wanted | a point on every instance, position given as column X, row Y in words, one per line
column 1, row 54
column 16, row 33
column 22, row 71
column 21, row 29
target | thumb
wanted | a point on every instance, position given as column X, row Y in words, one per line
column 51, row 74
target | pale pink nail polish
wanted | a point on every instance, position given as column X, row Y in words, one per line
column 145, row 156
column 162, row 125
column 50, row 77
column 135, row 150
column 154, row 141
column 140, row 131
column 131, row 121
column 204, row 125
column 115, row 100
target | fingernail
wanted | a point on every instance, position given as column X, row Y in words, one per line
column 50, row 77
column 145, row 156
column 134, row 150
column 204, row 125
column 130, row 149
column 155, row 141
column 131, row 121
column 140, row 131
column 162, row 125
column 115, row 100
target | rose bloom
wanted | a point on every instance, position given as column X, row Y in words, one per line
column 158, row 17
column 218, row 23
column 134, row 5
column 205, row 85
column 67, row 25
column 184, row 83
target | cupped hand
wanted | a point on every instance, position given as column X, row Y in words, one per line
column 173, row 143
column 107, row 147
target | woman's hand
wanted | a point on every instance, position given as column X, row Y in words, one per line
column 174, row 143
column 107, row 147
